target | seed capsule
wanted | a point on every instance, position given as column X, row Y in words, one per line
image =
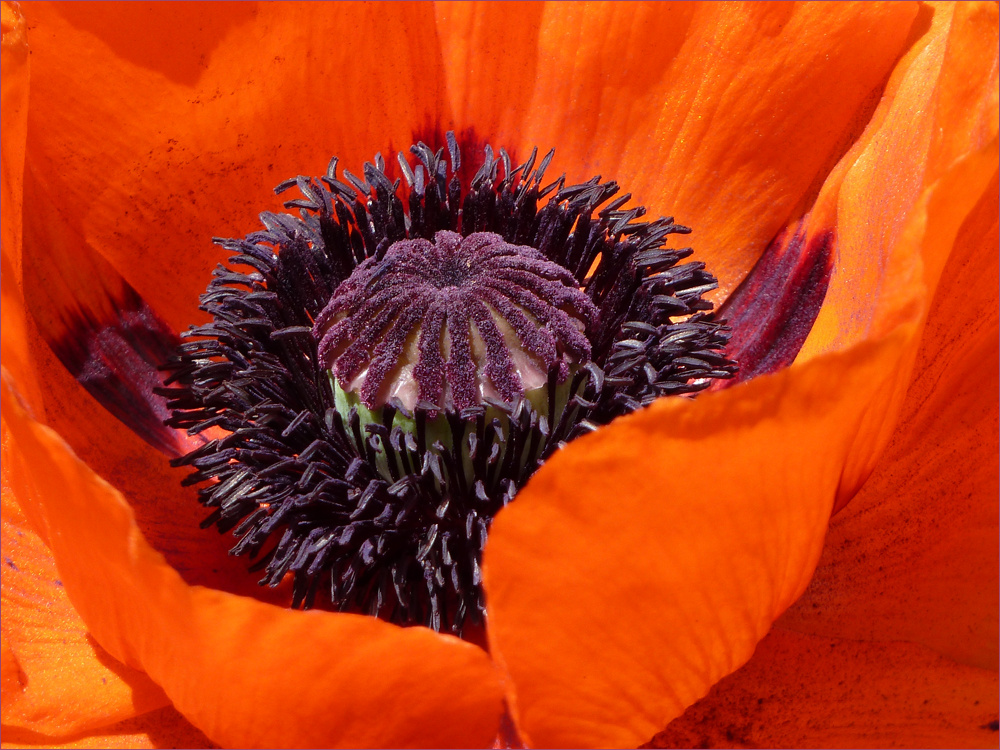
column 454, row 323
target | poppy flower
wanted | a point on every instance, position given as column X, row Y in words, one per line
column 839, row 154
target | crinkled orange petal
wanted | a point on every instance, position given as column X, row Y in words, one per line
column 939, row 215
column 58, row 681
column 968, row 103
column 53, row 395
column 934, row 113
column 714, row 510
column 156, row 729
column 168, row 513
column 724, row 116
column 224, row 81
column 805, row 691
column 13, row 114
column 644, row 562
column 885, row 185
column 492, row 65
column 184, row 118
column 244, row 672
column 914, row 556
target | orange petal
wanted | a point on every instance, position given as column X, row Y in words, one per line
column 702, row 576
column 708, row 572
column 57, row 680
column 803, row 691
column 645, row 561
column 886, row 194
column 170, row 514
column 14, row 114
column 167, row 513
column 725, row 116
column 70, row 287
column 162, row 728
column 968, row 103
column 113, row 451
column 244, row 672
column 490, row 75
column 929, row 110
column 914, row 555
column 938, row 216
column 212, row 105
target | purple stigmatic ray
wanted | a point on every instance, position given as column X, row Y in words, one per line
column 462, row 318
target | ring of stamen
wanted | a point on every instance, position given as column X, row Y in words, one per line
column 392, row 521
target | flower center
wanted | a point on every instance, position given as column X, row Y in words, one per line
column 380, row 379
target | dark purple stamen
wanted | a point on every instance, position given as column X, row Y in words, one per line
column 464, row 283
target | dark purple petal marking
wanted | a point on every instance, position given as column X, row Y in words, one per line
column 100, row 329
column 773, row 310
column 118, row 362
